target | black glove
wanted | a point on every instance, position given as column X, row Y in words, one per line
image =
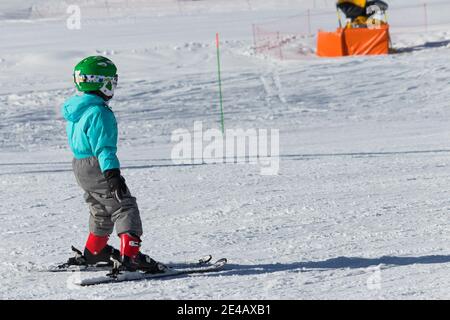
column 116, row 184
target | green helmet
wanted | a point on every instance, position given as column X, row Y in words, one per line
column 96, row 73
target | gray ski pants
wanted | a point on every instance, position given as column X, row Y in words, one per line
column 105, row 210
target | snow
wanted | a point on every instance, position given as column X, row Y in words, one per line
column 359, row 208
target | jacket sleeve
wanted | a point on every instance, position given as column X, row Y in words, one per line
column 102, row 135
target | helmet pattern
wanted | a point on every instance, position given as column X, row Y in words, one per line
column 96, row 73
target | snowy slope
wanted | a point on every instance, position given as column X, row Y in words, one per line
column 359, row 208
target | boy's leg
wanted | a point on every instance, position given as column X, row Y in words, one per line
column 100, row 222
column 126, row 217
column 90, row 179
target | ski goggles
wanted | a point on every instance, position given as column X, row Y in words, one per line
column 80, row 78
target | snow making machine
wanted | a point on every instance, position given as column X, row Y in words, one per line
column 365, row 30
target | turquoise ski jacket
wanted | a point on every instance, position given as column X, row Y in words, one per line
column 91, row 130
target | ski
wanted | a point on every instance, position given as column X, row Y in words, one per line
column 75, row 268
column 65, row 267
column 124, row 276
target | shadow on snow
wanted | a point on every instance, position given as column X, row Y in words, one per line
column 333, row 264
column 425, row 46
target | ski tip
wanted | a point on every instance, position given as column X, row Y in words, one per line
column 222, row 261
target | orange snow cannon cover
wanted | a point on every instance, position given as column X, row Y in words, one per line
column 353, row 41
column 330, row 44
column 367, row 41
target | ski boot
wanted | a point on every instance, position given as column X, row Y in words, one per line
column 133, row 260
column 96, row 252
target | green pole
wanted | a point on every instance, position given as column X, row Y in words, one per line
column 220, row 83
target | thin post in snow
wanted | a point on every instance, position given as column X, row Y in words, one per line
column 254, row 37
column 280, row 45
column 309, row 22
column 425, row 9
column 220, row 83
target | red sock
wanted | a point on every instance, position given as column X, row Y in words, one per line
column 129, row 245
column 95, row 244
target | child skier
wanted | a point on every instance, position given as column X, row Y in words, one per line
column 92, row 134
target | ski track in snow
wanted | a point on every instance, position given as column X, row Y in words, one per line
column 359, row 208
